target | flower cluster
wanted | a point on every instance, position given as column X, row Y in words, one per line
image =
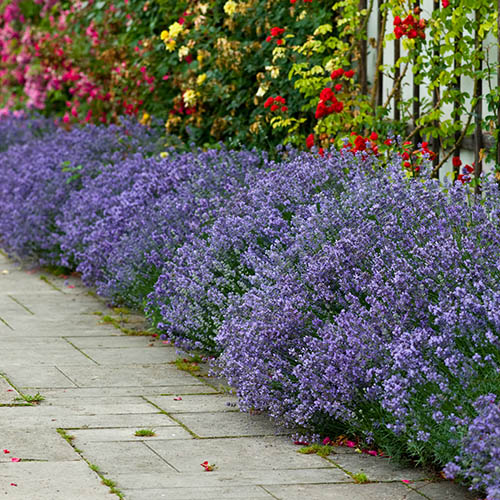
column 276, row 33
column 328, row 103
column 276, row 103
column 410, row 26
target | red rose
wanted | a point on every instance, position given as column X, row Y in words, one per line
column 399, row 32
column 349, row 74
column 277, row 31
column 360, row 143
column 374, row 136
column 456, row 161
column 336, row 73
column 310, row 141
column 268, row 102
column 326, row 94
column 397, row 21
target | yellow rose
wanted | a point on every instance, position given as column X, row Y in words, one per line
column 189, row 97
column 230, row 7
column 170, row 45
column 175, row 29
column 201, row 79
column 164, row 35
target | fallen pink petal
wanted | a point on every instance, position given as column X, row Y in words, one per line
column 13, row 484
column 6, row 451
column 406, row 481
column 178, row 398
column 15, row 459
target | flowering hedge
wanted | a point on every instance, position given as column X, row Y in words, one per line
column 340, row 294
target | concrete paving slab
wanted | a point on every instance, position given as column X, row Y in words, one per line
column 35, row 443
column 148, row 392
column 38, row 377
column 173, row 431
column 380, row 491
column 246, row 453
column 378, row 469
column 58, row 329
column 51, row 481
column 7, row 393
column 19, row 418
column 99, row 406
column 130, row 355
column 223, row 478
column 131, row 375
column 197, row 403
column 443, row 490
column 43, row 355
column 127, row 458
column 111, row 341
column 190, row 493
column 18, row 341
column 229, row 424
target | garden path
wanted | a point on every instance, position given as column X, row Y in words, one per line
column 100, row 386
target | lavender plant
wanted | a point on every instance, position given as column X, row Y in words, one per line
column 379, row 318
column 164, row 203
column 212, row 269
column 479, row 458
column 20, row 128
column 37, row 178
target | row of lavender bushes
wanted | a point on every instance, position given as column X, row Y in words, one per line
column 336, row 293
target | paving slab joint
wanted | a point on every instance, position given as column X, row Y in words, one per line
column 177, row 421
column 24, row 396
column 19, row 303
column 81, row 351
column 94, row 468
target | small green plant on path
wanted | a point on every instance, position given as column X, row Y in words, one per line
column 360, row 477
column 145, row 433
column 318, row 449
column 67, row 437
column 94, row 467
column 190, row 365
column 35, row 399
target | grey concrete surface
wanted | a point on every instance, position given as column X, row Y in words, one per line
column 100, row 386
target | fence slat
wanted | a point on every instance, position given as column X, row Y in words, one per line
column 397, row 74
column 435, row 100
column 363, row 54
column 498, row 85
column 478, row 111
column 456, row 107
column 380, row 38
column 416, row 100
